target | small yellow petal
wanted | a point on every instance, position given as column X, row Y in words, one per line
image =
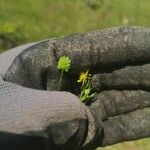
column 79, row 81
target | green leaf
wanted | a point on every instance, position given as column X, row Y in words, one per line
column 93, row 95
column 87, row 91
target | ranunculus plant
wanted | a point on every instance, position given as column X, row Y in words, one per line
column 85, row 94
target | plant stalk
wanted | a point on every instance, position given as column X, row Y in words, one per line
column 60, row 80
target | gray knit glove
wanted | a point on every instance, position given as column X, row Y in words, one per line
column 119, row 60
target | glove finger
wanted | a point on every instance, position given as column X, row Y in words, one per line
column 129, row 78
column 102, row 51
column 131, row 126
column 30, row 67
column 112, row 103
column 105, row 50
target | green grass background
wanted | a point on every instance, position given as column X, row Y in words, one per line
column 23, row 21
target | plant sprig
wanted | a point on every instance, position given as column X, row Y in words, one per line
column 86, row 90
column 86, row 94
column 64, row 65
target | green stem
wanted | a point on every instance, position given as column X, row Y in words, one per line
column 87, row 85
column 60, row 80
column 81, row 95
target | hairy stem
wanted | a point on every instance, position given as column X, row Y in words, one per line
column 60, row 80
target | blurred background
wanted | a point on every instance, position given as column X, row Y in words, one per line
column 23, row 21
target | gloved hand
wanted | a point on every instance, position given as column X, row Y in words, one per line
column 32, row 118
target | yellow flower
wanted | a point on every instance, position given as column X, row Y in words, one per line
column 84, row 76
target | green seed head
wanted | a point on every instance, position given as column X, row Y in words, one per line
column 64, row 63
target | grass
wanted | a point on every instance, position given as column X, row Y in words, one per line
column 143, row 144
column 39, row 19
column 23, row 21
